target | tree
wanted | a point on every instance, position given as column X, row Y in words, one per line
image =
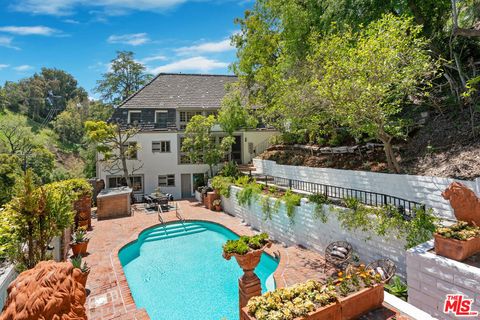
column 115, row 144
column 365, row 78
column 69, row 125
column 201, row 144
column 98, row 111
column 125, row 78
column 10, row 175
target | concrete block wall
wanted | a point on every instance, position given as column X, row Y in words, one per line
column 6, row 278
column 314, row 234
column 430, row 278
column 422, row 189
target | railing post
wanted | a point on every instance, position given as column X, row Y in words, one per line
column 290, row 184
column 266, row 180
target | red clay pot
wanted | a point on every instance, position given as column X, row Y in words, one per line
column 328, row 312
column 250, row 260
column 79, row 248
column 456, row 249
column 361, row 302
column 82, row 278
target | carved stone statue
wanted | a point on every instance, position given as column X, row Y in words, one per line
column 465, row 203
column 51, row 290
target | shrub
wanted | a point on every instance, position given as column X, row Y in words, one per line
column 230, row 169
column 248, row 193
column 222, row 185
column 291, row 200
column 245, row 244
column 319, row 199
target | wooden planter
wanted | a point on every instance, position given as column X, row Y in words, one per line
column 456, row 249
column 329, row 312
column 79, row 248
column 361, row 302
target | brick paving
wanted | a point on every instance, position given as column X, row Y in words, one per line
column 109, row 294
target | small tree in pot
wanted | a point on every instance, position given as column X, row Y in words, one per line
column 79, row 242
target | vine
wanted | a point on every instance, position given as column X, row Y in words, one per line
column 267, row 209
column 319, row 200
column 291, row 200
column 250, row 192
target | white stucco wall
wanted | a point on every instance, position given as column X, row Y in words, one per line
column 155, row 164
column 5, row 279
column 316, row 235
column 422, row 189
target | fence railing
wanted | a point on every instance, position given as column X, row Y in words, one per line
column 404, row 206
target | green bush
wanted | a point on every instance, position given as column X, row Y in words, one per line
column 248, row 193
column 291, row 200
column 398, row 288
column 245, row 244
column 230, row 169
column 222, row 185
column 319, row 199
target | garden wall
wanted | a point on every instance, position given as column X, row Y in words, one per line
column 432, row 277
column 9, row 274
column 422, row 189
column 314, row 234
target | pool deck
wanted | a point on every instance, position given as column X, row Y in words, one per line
column 110, row 296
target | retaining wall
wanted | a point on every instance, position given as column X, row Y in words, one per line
column 313, row 233
column 422, row 189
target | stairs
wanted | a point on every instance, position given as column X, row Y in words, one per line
column 168, row 231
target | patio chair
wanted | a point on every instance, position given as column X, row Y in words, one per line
column 338, row 254
column 384, row 267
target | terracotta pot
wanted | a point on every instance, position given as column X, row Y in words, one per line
column 218, row 208
column 362, row 302
column 456, row 249
column 79, row 248
column 82, row 278
column 329, row 312
column 211, row 196
column 250, row 260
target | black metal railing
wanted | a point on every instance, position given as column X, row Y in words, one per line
column 404, row 206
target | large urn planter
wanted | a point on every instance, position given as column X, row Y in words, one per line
column 361, row 302
column 456, row 249
column 328, row 312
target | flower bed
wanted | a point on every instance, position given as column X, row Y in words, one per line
column 457, row 242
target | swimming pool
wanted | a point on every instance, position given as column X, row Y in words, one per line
column 177, row 272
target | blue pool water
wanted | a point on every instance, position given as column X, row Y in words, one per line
column 177, row 272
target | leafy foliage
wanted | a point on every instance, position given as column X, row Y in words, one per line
column 245, row 244
column 249, row 193
column 459, row 231
column 320, row 200
column 10, row 176
column 291, row 200
column 398, row 288
column 222, row 185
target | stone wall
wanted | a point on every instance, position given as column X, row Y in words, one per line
column 422, row 189
column 314, row 234
column 431, row 277
column 9, row 274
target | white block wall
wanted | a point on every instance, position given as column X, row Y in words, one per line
column 422, row 189
column 5, row 279
column 430, row 278
column 314, row 234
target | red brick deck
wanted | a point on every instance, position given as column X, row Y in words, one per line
column 110, row 296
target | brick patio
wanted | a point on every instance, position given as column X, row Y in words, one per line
column 110, row 296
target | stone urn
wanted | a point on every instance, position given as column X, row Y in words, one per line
column 249, row 284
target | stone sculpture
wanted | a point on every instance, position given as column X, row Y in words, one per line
column 50, row 291
column 465, row 203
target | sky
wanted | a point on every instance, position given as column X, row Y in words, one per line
column 82, row 36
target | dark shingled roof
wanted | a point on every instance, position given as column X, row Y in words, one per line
column 169, row 90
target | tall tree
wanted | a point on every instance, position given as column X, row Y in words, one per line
column 10, row 175
column 201, row 144
column 124, row 78
column 365, row 78
column 117, row 147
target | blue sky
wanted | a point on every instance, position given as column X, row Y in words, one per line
column 82, row 36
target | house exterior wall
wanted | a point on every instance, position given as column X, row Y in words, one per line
column 423, row 189
column 155, row 164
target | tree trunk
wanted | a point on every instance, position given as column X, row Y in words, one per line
column 123, row 158
column 390, row 155
column 211, row 170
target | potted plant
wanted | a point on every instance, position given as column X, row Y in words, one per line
column 307, row 301
column 247, row 250
column 360, row 290
column 458, row 241
column 217, row 205
column 85, row 269
column 79, row 242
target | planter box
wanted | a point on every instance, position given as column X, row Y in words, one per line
column 329, row 312
column 211, row 196
column 456, row 249
column 361, row 302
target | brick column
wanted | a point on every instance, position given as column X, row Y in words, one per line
column 248, row 286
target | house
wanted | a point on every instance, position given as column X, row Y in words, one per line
column 162, row 109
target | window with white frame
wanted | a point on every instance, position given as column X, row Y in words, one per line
column 186, row 116
column 134, row 116
column 161, row 146
column 161, row 118
column 118, row 181
column 167, row 180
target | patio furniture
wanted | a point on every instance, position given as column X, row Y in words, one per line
column 384, row 267
column 338, row 254
column 161, row 200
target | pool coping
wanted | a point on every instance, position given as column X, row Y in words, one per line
column 126, row 296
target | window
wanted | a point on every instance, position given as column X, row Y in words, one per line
column 136, row 181
column 166, row 180
column 161, row 118
column 186, row 116
column 161, row 146
column 211, row 113
column 134, row 116
column 131, row 151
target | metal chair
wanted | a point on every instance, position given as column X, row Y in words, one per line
column 332, row 256
column 385, row 267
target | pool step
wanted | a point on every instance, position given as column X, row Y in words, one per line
column 176, row 234
column 169, row 229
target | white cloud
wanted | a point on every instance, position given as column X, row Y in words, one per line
column 195, row 64
column 29, row 30
column 3, row 66
column 67, row 7
column 71, row 21
column 207, row 47
column 7, row 43
column 133, row 39
column 153, row 58
column 23, row 68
